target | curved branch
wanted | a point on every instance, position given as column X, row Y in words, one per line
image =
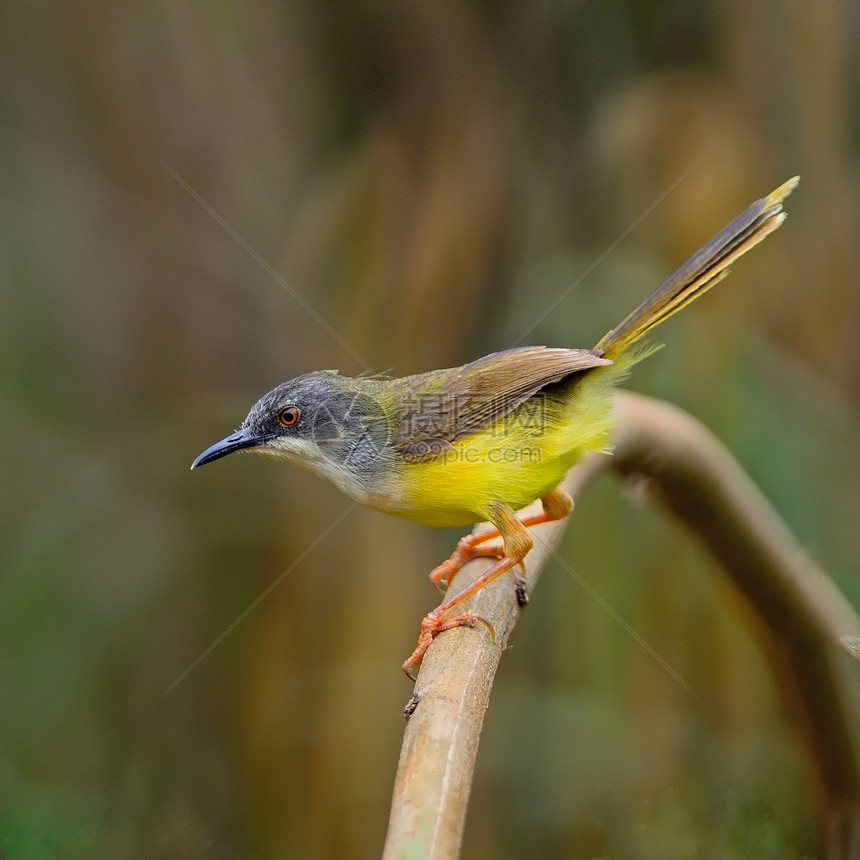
column 806, row 624
column 801, row 613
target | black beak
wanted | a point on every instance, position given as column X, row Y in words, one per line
column 238, row 440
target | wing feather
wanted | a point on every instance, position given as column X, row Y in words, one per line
column 472, row 397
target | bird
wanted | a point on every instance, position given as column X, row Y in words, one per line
column 481, row 441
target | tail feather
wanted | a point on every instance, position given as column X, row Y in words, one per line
column 705, row 268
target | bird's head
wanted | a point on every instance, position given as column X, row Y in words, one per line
column 331, row 424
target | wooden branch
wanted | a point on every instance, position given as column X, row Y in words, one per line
column 805, row 624
column 446, row 711
column 801, row 614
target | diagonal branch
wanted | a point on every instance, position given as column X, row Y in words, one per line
column 800, row 612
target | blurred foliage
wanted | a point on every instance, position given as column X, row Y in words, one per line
column 429, row 179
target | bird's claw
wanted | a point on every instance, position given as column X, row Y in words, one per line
column 432, row 625
column 468, row 548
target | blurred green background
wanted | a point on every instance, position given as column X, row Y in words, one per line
column 429, row 178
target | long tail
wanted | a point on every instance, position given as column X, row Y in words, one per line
column 707, row 266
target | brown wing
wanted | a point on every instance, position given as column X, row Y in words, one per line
column 472, row 397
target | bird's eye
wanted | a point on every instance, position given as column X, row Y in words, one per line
column 289, row 416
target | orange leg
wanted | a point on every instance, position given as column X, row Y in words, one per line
column 468, row 548
column 557, row 504
column 517, row 543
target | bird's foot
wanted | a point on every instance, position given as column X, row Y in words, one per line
column 468, row 548
column 434, row 624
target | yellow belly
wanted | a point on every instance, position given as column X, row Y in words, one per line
column 520, row 458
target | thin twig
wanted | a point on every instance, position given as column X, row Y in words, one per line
column 801, row 613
